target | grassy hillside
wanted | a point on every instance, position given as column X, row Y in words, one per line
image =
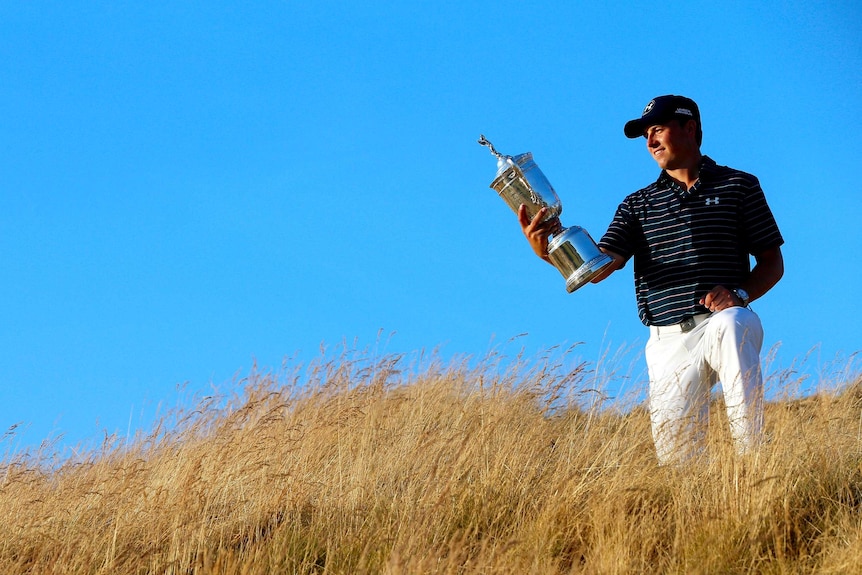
column 351, row 466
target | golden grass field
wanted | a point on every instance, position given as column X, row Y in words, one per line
column 360, row 465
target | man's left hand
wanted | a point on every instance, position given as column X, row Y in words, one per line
column 720, row 298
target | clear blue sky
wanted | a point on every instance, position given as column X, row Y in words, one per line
column 192, row 187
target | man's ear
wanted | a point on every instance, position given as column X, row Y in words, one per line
column 691, row 128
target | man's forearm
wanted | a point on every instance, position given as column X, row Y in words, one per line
column 618, row 262
column 768, row 269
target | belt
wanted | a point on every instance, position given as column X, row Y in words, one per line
column 684, row 326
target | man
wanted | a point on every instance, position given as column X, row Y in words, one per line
column 691, row 233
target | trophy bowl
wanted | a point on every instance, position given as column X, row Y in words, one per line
column 571, row 250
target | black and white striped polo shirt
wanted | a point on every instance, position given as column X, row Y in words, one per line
column 686, row 242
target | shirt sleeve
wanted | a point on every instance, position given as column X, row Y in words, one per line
column 759, row 225
column 619, row 238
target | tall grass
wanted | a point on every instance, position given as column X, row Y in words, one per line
column 362, row 464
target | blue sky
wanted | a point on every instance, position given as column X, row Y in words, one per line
column 190, row 188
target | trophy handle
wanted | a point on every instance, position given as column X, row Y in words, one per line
column 484, row 142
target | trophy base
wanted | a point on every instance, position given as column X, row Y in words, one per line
column 574, row 253
column 587, row 272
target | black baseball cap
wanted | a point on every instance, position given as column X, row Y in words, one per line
column 660, row 110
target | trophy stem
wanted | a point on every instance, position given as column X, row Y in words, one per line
column 558, row 228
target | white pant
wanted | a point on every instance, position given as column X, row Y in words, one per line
column 683, row 367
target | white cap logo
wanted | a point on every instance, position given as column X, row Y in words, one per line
column 648, row 108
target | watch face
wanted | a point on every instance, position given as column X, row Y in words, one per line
column 743, row 295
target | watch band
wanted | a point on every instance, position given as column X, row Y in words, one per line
column 742, row 295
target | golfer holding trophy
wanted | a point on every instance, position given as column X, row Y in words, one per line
column 692, row 234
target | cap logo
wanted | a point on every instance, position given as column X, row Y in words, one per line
column 648, row 108
column 684, row 111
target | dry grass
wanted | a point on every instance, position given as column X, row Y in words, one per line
column 364, row 465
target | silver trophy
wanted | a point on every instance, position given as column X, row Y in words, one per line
column 572, row 251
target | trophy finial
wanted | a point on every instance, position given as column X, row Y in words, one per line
column 484, row 142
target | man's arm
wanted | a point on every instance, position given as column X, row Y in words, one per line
column 768, row 269
column 619, row 261
column 537, row 232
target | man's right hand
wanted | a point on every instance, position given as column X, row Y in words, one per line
column 537, row 230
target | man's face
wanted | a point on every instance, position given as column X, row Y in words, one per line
column 672, row 144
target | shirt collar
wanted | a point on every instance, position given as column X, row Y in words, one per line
column 704, row 172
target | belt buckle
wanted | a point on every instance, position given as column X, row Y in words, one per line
column 687, row 324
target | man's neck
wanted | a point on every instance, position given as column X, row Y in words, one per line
column 687, row 174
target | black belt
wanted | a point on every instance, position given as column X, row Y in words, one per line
column 684, row 326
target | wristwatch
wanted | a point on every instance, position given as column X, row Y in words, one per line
column 742, row 295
